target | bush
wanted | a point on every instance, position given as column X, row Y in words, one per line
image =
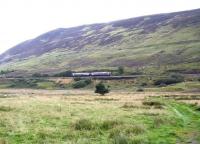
column 101, row 89
column 64, row 74
column 140, row 90
column 24, row 83
column 171, row 79
column 5, row 71
column 81, row 83
column 120, row 70
column 88, row 81
column 77, row 78
column 143, row 84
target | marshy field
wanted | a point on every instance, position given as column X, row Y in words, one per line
column 83, row 117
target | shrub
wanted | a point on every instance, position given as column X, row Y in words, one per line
column 140, row 90
column 81, row 83
column 24, row 83
column 5, row 71
column 88, row 81
column 120, row 70
column 64, row 74
column 101, row 89
column 143, row 84
column 171, row 79
column 77, row 78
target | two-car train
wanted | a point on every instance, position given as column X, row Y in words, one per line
column 87, row 74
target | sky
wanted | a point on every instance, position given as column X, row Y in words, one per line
column 21, row 20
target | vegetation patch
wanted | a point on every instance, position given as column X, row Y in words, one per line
column 153, row 103
column 140, row 89
column 106, row 99
column 171, row 79
column 135, row 129
column 120, row 139
column 109, row 124
column 83, row 124
column 5, row 109
column 81, row 83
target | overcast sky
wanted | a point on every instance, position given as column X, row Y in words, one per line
column 25, row 19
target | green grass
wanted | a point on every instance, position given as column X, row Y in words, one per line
column 67, row 119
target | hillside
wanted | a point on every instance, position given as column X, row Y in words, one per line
column 164, row 42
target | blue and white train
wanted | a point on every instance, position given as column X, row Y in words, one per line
column 87, row 74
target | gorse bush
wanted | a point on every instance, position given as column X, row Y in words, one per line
column 24, row 83
column 140, row 89
column 81, row 83
column 102, row 89
column 171, row 79
column 64, row 74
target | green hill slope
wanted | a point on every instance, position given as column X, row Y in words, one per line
column 156, row 43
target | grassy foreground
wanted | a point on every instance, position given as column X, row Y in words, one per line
column 73, row 116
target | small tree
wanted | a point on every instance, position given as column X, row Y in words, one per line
column 101, row 89
column 120, row 70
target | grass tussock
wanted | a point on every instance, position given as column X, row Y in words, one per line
column 153, row 103
column 83, row 124
column 130, row 106
column 5, row 108
column 136, row 129
column 109, row 124
column 120, row 139
column 123, row 139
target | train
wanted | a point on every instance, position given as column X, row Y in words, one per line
column 87, row 74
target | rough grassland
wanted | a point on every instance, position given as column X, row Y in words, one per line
column 59, row 116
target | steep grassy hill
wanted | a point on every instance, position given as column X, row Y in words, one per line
column 163, row 42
